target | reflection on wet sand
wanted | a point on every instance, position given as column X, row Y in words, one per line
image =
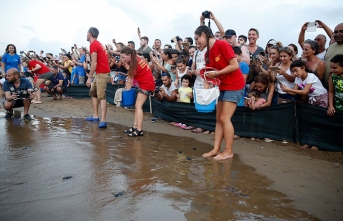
column 158, row 177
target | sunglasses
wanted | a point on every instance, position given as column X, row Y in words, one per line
column 338, row 31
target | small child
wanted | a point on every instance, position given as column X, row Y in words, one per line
column 307, row 84
column 254, row 99
column 66, row 81
column 244, row 67
column 185, row 95
column 336, row 85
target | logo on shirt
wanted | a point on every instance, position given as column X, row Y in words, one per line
column 217, row 58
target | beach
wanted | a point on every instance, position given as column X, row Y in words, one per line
column 311, row 179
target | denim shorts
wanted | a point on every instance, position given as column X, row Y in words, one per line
column 231, row 96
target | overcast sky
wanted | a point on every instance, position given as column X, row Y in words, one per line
column 51, row 25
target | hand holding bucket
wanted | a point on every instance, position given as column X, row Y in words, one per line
column 209, row 70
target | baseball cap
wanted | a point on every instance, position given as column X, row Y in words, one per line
column 271, row 42
column 229, row 33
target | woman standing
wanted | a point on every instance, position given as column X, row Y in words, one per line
column 221, row 56
column 9, row 60
column 166, row 64
column 140, row 72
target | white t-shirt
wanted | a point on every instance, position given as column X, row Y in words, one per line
column 200, row 63
column 170, row 90
column 316, row 88
column 321, row 55
column 180, row 75
column 284, row 81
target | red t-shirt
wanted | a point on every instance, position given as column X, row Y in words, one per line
column 220, row 55
column 102, row 66
column 144, row 76
column 43, row 70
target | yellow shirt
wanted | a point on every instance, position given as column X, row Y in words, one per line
column 183, row 91
column 71, row 65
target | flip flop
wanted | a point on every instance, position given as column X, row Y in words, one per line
column 203, row 72
column 197, row 130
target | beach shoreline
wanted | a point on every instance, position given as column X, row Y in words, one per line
column 312, row 179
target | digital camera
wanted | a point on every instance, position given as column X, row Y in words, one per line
column 206, row 14
column 177, row 38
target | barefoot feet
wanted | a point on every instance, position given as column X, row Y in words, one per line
column 223, row 156
column 210, row 154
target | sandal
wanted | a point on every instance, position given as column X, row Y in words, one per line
column 207, row 132
column 197, row 130
column 136, row 133
column 130, row 130
column 189, row 128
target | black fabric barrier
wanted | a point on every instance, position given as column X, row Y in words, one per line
column 316, row 128
column 301, row 123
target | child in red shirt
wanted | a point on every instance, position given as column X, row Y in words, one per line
column 221, row 56
column 140, row 72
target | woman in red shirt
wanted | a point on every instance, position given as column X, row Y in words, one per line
column 43, row 72
column 140, row 72
column 221, row 56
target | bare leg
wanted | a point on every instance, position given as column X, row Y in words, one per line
column 27, row 104
column 95, row 107
column 141, row 98
column 38, row 83
column 103, row 105
column 8, row 106
column 218, row 137
column 228, row 109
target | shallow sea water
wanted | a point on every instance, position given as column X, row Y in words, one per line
column 68, row 169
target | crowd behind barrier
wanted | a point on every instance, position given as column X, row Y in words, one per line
column 294, row 122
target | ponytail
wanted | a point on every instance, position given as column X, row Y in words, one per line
column 208, row 33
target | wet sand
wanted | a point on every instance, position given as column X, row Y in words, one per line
column 264, row 180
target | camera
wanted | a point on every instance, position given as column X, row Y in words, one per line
column 177, row 38
column 206, row 14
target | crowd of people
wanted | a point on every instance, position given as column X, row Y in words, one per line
column 249, row 75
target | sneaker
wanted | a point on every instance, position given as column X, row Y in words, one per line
column 27, row 117
column 8, row 115
column 102, row 125
column 91, row 118
column 153, row 120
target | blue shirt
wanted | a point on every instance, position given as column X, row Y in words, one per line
column 11, row 61
column 244, row 67
column 55, row 80
column 23, row 86
column 79, row 69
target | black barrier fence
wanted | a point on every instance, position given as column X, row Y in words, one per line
column 293, row 122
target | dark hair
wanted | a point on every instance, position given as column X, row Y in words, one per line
column 244, row 37
column 265, row 49
column 158, row 40
column 145, row 38
column 131, row 42
column 147, row 56
column 187, row 77
column 169, row 46
column 313, row 45
column 337, row 59
column 298, row 63
column 190, row 40
column 255, row 93
column 262, row 78
column 167, row 52
column 254, row 29
column 208, row 33
column 94, row 32
column 174, row 51
column 133, row 62
column 181, row 60
column 295, row 48
column 7, row 48
column 121, row 44
column 237, row 50
column 54, row 67
column 192, row 46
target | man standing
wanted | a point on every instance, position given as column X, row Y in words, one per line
column 242, row 40
column 131, row 44
column 168, row 90
column 13, row 91
column 144, row 45
column 231, row 37
column 100, row 66
column 334, row 49
column 56, row 84
column 80, row 71
column 157, row 47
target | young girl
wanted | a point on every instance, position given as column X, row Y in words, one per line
column 263, row 85
column 180, row 71
column 336, row 85
column 139, row 71
column 307, row 84
column 221, row 56
column 185, row 95
column 283, row 75
column 254, row 98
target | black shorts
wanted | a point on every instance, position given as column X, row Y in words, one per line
column 64, row 89
column 17, row 103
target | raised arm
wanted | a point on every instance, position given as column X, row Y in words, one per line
column 301, row 38
column 326, row 28
column 218, row 24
